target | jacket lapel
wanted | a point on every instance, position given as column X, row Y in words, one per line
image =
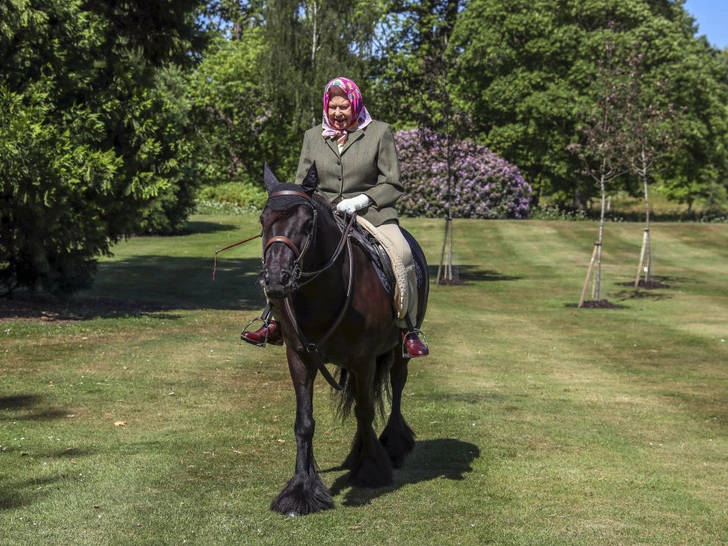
column 331, row 143
column 353, row 137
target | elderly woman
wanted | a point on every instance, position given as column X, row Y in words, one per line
column 358, row 170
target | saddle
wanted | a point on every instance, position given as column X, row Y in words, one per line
column 385, row 262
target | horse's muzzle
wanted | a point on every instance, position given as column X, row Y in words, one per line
column 277, row 285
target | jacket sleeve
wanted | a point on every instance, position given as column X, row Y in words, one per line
column 305, row 161
column 388, row 188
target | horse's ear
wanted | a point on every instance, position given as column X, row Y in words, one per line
column 269, row 178
column 310, row 183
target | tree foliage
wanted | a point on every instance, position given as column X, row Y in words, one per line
column 525, row 67
column 92, row 133
column 111, row 112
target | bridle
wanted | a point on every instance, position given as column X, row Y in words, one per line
column 299, row 253
column 308, row 276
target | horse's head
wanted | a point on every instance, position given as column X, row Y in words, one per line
column 289, row 228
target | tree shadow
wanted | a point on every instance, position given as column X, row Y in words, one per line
column 14, row 494
column 19, row 401
column 28, row 407
column 445, row 458
column 149, row 285
column 471, row 273
column 199, row 226
column 642, row 294
column 184, row 283
column 15, row 491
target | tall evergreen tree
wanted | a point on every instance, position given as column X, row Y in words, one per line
column 90, row 132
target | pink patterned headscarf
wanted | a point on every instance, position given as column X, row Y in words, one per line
column 359, row 111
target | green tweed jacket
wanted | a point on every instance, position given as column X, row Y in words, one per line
column 368, row 164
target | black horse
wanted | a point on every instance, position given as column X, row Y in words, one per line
column 333, row 308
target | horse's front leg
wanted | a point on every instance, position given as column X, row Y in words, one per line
column 305, row 493
column 368, row 462
column 397, row 437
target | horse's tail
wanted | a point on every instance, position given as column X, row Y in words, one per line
column 381, row 392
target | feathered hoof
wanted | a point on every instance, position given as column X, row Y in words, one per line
column 373, row 471
column 303, row 495
column 398, row 441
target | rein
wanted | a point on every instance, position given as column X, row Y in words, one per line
column 214, row 268
column 344, row 243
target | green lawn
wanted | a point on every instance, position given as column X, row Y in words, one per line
column 134, row 414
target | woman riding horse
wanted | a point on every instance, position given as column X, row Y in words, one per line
column 358, row 170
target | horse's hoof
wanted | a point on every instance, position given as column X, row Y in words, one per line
column 302, row 496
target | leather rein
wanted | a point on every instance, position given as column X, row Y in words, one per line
column 308, row 276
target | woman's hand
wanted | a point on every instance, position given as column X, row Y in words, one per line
column 351, row 205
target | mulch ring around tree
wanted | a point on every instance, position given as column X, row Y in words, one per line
column 600, row 304
column 649, row 285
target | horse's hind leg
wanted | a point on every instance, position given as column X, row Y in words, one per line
column 305, row 493
column 368, row 461
column 397, row 437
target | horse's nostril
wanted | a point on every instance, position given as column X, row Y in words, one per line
column 285, row 278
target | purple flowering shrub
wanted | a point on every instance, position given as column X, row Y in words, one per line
column 483, row 184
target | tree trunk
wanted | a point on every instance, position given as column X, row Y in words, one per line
column 645, row 256
column 598, row 277
column 446, row 244
column 588, row 276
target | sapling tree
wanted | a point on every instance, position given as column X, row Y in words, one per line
column 653, row 139
column 603, row 146
column 419, row 68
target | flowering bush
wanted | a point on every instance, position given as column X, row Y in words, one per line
column 483, row 184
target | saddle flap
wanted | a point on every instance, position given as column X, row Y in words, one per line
column 379, row 258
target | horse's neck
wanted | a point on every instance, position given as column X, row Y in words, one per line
column 330, row 284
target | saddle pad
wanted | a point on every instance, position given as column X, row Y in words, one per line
column 399, row 301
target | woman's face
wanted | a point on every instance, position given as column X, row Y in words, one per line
column 340, row 113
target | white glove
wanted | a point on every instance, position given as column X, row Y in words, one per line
column 349, row 206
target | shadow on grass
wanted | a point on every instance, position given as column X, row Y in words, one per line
column 28, row 407
column 471, row 273
column 641, row 294
column 184, row 283
column 149, row 285
column 15, row 493
column 194, row 227
column 445, row 458
column 144, row 285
